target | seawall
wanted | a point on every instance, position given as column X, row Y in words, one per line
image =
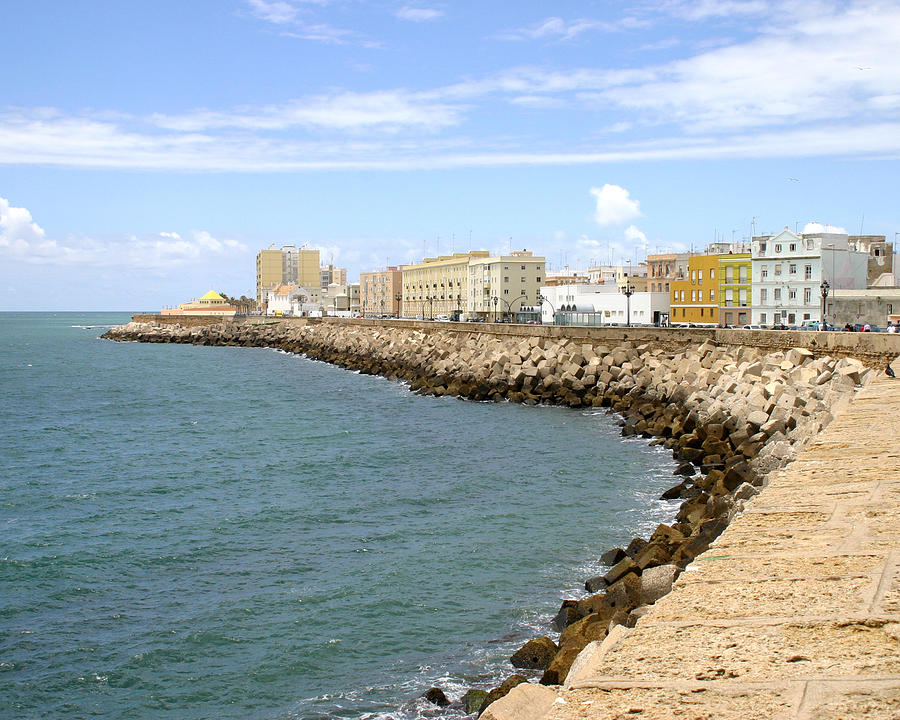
column 733, row 406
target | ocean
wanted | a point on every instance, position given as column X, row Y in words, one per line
column 218, row 532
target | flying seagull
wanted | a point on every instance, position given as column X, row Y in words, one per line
column 863, row 67
column 794, row 179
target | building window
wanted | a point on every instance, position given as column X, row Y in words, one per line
column 729, row 274
column 777, row 294
column 792, row 269
column 763, row 296
column 792, row 294
column 712, row 295
column 793, row 247
column 762, row 318
column 523, row 267
column 712, row 273
column 777, row 248
column 743, row 273
column 807, row 296
column 506, row 291
column 762, row 248
column 807, row 272
column 742, row 294
column 764, row 272
column 729, row 298
column 778, row 270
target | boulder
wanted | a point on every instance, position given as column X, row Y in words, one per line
column 436, row 696
column 613, row 556
column 535, row 654
column 473, row 700
column 527, row 701
column 501, row 691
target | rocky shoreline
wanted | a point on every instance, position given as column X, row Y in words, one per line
column 729, row 414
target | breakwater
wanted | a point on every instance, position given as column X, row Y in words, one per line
column 731, row 413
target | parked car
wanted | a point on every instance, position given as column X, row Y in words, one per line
column 753, row 327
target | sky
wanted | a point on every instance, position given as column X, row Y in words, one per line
column 148, row 150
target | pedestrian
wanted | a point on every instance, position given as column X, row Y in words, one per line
column 867, row 328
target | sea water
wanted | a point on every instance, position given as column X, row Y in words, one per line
column 217, row 532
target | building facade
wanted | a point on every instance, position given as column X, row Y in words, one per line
column 437, row 286
column 695, row 298
column 380, row 292
column 663, row 269
column 788, row 272
column 498, row 287
column 210, row 304
column 601, row 304
column 735, row 289
column 287, row 265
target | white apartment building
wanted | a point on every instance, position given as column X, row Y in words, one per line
column 788, row 271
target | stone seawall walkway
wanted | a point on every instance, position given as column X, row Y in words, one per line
column 794, row 612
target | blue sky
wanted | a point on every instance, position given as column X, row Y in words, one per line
column 148, row 150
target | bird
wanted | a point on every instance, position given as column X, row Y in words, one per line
column 889, row 371
column 863, row 67
column 794, row 179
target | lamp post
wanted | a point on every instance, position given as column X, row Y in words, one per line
column 543, row 299
column 496, row 300
column 458, row 307
column 510, row 304
column 824, row 290
column 628, row 291
column 398, row 297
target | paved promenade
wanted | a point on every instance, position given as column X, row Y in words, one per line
column 793, row 613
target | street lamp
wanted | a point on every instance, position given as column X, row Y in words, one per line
column 398, row 297
column 510, row 304
column 543, row 299
column 458, row 307
column 496, row 300
column 628, row 291
column 824, row 290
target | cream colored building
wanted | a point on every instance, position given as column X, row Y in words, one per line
column 210, row 304
column 287, row 265
column 380, row 292
column 437, row 286
column 499, row 287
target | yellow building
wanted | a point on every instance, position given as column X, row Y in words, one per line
column 734, row 289
column 379, row 292
column 499, row 287
column 210, row 304
column 695, row 298
column 437, row 286
column 291, row 265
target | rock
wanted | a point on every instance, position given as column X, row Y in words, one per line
column 556, row 673
column 527, row 701
column 686, row 469
column 568, row 613
column 745, row 492
column 626, row 593
column 436, row 696
column 501, row 691
column 635, row 546
column 611, row 557
column 620, row 569
column 595, row 584
column 656, row 582
column 535, row 654
column 473, row 700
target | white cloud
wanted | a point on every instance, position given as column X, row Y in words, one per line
column 555, row 28
column 814, row 227
column 23, row 240
column 636, row 237
column 614, row 205
column 385, row 110
column 419, row 14
column 273, row 11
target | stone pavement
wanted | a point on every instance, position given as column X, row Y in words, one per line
column 794, row 612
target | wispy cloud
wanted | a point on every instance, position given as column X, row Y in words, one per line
column 419, row 14
column 556, row 28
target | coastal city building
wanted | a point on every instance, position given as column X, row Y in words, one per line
column 499, row 287
column 788, row 272
column 735, row 290
column 210, row 304
column 332, row 274
column 877, row 306
column 380, row 292
column 287, row 265
column 695, row 298
column 341, row 300
column 662, row 269
column 602, row 304
column 290, row 300
column 437, row 286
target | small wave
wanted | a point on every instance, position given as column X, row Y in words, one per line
column 91, row 327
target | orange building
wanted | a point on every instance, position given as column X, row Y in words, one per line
column 379, row 292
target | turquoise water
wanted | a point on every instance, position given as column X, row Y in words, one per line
column 202, row 532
